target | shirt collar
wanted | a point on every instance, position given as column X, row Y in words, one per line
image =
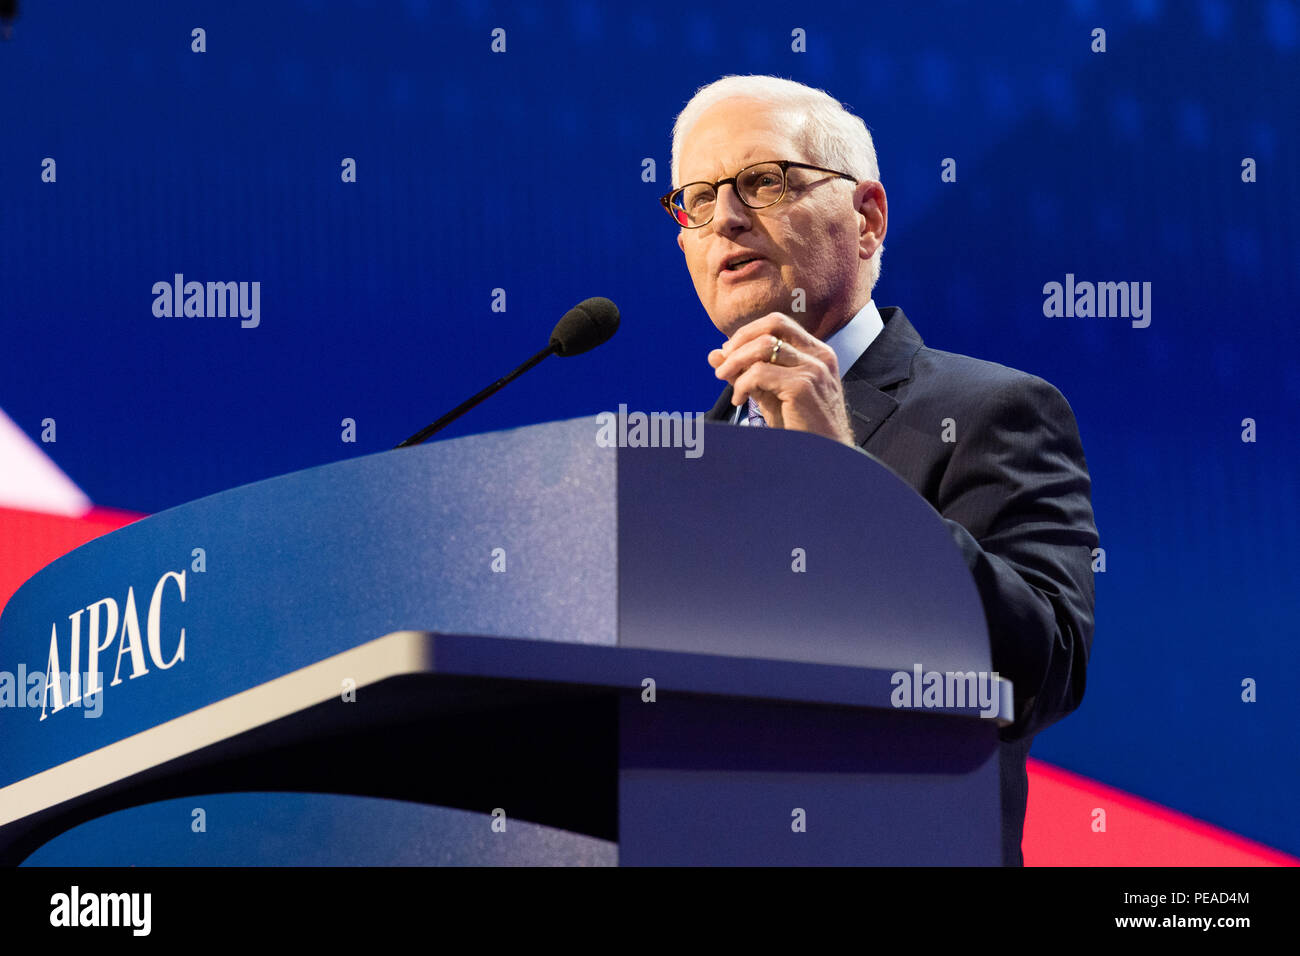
column 850, row 342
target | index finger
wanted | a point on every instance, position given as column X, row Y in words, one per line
column 774, row 323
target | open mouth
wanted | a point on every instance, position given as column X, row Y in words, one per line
column 740, row 264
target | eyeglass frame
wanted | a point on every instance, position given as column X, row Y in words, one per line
column 785, row 164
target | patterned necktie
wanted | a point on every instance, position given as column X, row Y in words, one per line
column 756, row 419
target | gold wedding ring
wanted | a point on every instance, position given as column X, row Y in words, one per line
column 776, row 347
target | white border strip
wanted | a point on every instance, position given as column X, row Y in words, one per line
column 402, row 652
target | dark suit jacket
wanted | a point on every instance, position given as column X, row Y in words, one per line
column 1014, row 490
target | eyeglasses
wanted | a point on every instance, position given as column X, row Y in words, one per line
column 759, row 185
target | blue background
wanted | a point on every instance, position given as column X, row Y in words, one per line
column 522, row 171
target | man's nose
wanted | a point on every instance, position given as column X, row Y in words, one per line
column 729, row 213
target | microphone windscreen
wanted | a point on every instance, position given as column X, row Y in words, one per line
column 590, row 323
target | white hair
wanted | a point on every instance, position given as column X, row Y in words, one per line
column 826, row 131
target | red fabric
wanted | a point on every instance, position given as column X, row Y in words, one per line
column 29, row 540
column 1058, row 829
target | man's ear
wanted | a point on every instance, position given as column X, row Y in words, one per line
column 872, row 206
column 681, row 241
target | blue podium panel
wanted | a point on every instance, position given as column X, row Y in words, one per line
column 301, row 567
column 313, row 829
column 741, row 783
column 784, row 545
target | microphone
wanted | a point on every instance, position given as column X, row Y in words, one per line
column 8, row 14
column 590, row 323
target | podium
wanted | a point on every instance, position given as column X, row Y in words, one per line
column 516, row 647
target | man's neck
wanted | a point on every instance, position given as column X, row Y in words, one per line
column 830, row 326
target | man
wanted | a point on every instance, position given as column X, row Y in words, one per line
column 782, row 222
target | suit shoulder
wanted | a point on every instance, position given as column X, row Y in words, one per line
column 979, row 380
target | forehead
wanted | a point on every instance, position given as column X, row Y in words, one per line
column 733, row 133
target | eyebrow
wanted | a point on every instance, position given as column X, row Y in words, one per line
column 752, row 156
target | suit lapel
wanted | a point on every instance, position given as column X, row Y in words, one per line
column 723, row 410
column 887, row 361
